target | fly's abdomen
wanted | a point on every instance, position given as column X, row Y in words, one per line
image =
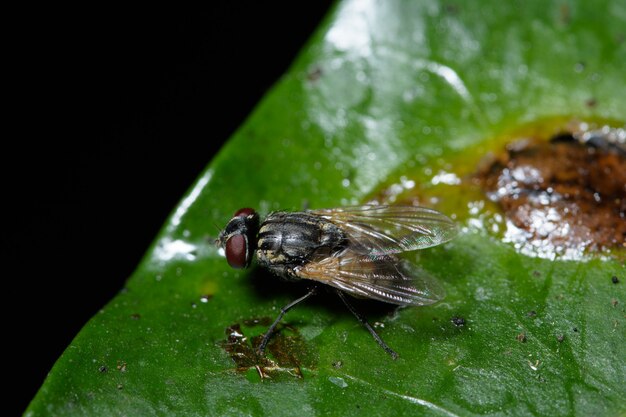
column 290, row 239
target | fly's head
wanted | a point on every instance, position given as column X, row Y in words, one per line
column 239, row 238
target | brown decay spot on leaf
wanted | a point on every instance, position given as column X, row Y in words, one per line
column 562, row 197
column 284, row 355
column 563, row 192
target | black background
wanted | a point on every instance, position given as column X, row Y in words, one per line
column 116, row 114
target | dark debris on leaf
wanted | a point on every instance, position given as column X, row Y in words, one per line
column 121, row 366
column 314, row 74
column 458, row 321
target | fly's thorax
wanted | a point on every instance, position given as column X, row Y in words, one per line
column 292, row 239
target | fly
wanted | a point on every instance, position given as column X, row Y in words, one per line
column 352, row 249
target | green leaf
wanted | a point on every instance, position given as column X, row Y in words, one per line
column 385, row 96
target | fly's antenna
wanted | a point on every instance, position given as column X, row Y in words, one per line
column 215, row 240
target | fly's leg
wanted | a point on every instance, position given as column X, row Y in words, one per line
column 283, row 310
column 369, row 328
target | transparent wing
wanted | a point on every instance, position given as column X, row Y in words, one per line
column 384, row 278
column 380, row 230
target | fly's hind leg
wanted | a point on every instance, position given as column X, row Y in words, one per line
column 369, row 328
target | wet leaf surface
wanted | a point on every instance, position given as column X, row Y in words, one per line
column 393, row 102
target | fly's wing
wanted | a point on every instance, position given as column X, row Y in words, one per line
column 384, row 278
column 380, row 230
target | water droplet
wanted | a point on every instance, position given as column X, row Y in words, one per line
column 444, row 177
column 579, row 67
column 340, row 382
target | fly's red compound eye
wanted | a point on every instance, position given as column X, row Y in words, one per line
column 236, row 251
column 244, row 212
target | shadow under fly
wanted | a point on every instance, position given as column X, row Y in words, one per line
column 351, row 249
